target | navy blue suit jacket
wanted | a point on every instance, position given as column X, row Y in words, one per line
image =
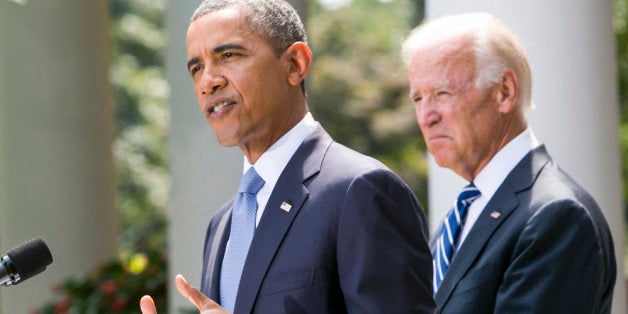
column 354, row 240
column 541, row 245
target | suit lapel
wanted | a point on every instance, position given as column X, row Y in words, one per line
column 503, row 202
column 217, row 252
column 275, row 221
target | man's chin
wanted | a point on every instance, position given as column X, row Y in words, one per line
column 442, row 159
column 226, row 141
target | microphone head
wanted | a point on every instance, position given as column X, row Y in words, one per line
column 30, row 258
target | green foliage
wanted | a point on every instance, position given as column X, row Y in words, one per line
column 620, row 24
column 114, row 287
column 142, row 117
column 358, row 86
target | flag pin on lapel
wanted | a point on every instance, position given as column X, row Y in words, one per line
column 286, row 207
column 495, row 215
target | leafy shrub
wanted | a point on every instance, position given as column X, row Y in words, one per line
column 113, row 287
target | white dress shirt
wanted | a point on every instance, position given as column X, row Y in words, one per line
column 272, row 162
column 494, row 173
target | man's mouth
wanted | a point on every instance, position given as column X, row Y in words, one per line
column 219, row 106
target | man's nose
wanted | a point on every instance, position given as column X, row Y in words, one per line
column 212, row 81
column 426, row 114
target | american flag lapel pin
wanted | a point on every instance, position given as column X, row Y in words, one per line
column 285, row 206
column 495, row 214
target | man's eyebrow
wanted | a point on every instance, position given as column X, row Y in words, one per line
column 193, row 61
column 224, row 47
column 218, row 49
column 442, row 86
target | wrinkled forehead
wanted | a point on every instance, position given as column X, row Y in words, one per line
column 438, row 67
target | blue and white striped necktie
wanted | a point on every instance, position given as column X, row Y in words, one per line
column 448, row 239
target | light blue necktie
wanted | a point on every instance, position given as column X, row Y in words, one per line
column 242, row 229
column 448, row 239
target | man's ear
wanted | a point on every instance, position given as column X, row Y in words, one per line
column 299, row 58
column 508, row 91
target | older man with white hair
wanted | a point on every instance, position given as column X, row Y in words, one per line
column 523, row 237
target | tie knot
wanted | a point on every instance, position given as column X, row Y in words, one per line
column 469, row 194
column 251, row 182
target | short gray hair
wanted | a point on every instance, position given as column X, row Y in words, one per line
column 276, row 21
column 495, row 45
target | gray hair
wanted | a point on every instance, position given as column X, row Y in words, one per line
column 275, row 21
column 495, row 45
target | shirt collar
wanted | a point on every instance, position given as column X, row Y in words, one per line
column 495, row 172
column 272, row 162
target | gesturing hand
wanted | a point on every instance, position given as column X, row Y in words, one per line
column 204, row 304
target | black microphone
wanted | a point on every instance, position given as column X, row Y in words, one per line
column 24, row 261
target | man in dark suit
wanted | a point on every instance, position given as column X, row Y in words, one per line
column 523, row 236
column 332, row 231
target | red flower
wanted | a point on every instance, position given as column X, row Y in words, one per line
column 63, row 306
column 118, row 304
column 109, row 287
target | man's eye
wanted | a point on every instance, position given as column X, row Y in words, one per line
column 443, row 95
column 195, row 69
column 227, row 55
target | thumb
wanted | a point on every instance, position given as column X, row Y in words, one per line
column 147, row 305
column 201, row 301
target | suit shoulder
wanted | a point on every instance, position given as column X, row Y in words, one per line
column 350, row 160
column 343, row 168
column 554, row 184
column 557, row 197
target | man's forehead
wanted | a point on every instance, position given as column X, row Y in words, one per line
column 228, row 20
column 446, row 73
column 215, row 29
column 450, row 58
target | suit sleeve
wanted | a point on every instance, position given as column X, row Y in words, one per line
column 558, row 264
column 384, row 263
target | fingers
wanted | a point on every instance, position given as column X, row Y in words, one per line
column 201, row 301
column 147, row 305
